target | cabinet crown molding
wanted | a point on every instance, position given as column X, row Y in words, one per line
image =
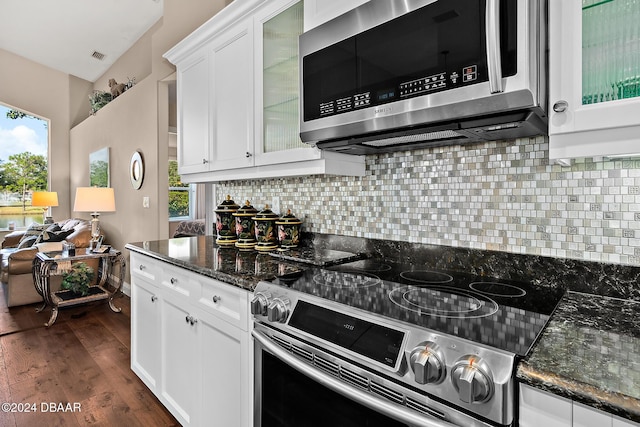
column 228, row 16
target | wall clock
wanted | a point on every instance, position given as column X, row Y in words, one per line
column 136, row 170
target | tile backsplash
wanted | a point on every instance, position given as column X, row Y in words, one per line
column 501, row 195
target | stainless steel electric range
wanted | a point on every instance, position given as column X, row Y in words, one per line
column 373, row 343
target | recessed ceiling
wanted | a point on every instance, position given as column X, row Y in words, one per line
column 69, row 35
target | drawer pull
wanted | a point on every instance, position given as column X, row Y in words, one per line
column 190, row 319
column 173, row 280
column 216, row 299
column 153, row 298
column 142, row 267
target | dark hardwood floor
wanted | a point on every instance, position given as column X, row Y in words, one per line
column 74, row 373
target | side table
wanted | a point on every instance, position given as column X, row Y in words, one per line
column 45, row 265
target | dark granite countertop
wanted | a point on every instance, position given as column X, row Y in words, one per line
column 320, row 257
column 202, row 255
column 590, row 353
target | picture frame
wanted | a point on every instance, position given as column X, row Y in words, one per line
column 99, row 168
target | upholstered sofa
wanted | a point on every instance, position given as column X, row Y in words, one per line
column 19, row 248
column 195, row 227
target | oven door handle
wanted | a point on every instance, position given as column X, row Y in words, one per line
column 367, row 399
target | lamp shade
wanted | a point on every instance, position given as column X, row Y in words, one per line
column 44, row 198
column 94, row 199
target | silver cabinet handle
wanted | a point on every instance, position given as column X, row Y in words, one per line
column 216, row 299
column 173, row 280
column 494, row 58
column 142, row 267
column 205, row 161
column 248, row 154
column 190, row 319
column 153, row 298
column 367, row 399
column 560, row 106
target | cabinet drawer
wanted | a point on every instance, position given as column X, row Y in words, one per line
column 146, row 268
column 225, row 302
column 180, row 282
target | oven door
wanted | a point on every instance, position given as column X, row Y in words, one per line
column 290, row 392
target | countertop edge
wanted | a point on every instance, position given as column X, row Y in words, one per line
column 613, row 403
column 582, row 335
column 248, row 285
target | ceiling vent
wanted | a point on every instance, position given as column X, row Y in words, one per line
column 97, row 55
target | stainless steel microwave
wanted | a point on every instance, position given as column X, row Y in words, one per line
column 403, row 74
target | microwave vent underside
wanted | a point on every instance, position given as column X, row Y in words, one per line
column 516, row 124
column 406, row 139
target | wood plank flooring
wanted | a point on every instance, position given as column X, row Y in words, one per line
column 82, row 361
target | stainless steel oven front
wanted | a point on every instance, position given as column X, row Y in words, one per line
column 305, row 378
column 294, row 387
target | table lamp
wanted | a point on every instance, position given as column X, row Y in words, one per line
column 95, row 200
column 45, row 199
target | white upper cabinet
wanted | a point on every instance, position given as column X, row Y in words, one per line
column 232, row 100
column 594, row 84
column 277, row 28
column 238, row 98
column 193, row 117
column 317, row 12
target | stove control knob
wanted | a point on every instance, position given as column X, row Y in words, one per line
column 472, row 379
column 427, row 362
column 259, row 303
column 278, row 310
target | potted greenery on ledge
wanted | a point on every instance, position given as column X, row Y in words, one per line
column 78, row 279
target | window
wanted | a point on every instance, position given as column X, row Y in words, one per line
column 24, row 141
column 181, row 196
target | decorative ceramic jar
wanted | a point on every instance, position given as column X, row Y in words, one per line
column 265, row 224
column 288, row 231
column 226, row 222
column 245, row 228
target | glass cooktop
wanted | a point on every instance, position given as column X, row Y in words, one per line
column 504, row 314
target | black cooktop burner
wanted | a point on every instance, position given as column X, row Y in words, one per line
column 498, row 289
column 443, row 302
column 500, row 313
column 426, row 277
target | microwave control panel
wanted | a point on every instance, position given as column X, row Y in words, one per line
column 408, row 89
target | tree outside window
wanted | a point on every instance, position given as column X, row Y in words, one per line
column 180, row 194
column 23, row 165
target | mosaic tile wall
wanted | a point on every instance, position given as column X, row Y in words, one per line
column 501, row 195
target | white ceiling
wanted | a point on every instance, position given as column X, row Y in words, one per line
column 63, row 34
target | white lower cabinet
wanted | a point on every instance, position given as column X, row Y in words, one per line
column 191, row 346
column 225, row 365
column 145, row 336
column 178, row 352
column 539, row 408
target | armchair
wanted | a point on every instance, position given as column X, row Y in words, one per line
column 16, row 262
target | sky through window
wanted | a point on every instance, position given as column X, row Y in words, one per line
column 20, row 135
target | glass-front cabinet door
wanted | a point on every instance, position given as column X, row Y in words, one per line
column 594, row 78
column 278, row 84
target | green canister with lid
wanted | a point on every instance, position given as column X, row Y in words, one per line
column 265, row 225
column 288, row 231
column 245, row 227
column 226, row 222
